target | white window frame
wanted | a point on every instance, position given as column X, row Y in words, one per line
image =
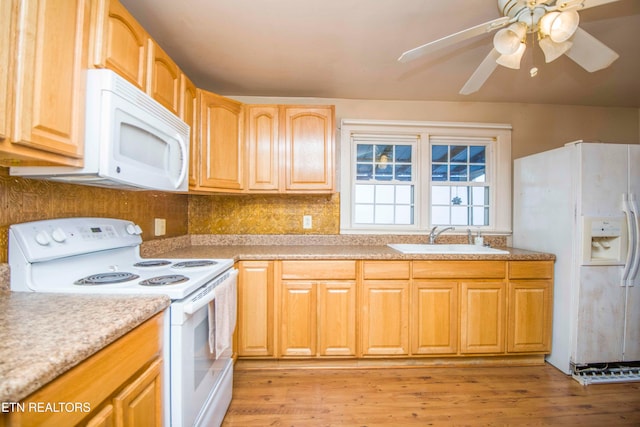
column 498, row 170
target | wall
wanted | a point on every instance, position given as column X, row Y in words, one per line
column 30, row 200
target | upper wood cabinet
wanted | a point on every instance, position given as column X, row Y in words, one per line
column 188, row 112
column 163, row 83
column 45, row 45
column 220, row 123
column 290, row 149
column 120, row 42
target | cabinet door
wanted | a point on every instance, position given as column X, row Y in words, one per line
column 220, row 142
column 163, row 83
column 48, row 82
column 298, row 314
column 530, row 312
column 255, row 309
column 7, row 32
column 120, row 42
column 104, row 418
column 434, row 317
column 337, row 318
column 385, row 318
column 263, row 147
column 140, row 403
column 309, row 148
column 482, row 308
column 188, row 113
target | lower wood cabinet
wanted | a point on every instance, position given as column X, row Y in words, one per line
column 394, row 308
column 121, row 385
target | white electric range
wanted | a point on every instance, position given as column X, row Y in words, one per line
column 102, row 256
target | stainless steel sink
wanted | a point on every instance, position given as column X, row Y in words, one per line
column 413, row 248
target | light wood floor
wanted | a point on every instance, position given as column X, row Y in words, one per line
column 440, row 396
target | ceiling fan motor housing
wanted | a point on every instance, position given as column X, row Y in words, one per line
column 528, row 12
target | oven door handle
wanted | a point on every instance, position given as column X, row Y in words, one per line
column 198, row 302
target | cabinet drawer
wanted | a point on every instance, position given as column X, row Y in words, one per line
column 531, row 269
column 459, row 269
column 318, row 270
column 386, row 270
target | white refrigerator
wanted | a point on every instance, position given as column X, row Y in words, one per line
column 580, row 202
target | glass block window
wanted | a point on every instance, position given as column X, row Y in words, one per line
column 459, row 184
column 384, row 186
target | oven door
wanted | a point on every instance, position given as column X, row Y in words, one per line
column 197, row 375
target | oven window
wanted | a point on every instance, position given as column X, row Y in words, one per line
column 202, row 357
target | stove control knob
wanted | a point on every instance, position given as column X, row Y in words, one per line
column 43, row 238
column 134, row 229
column 59, row 235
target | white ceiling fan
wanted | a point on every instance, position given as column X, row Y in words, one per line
column 553, row 24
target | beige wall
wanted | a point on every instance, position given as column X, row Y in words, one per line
column 536, row 127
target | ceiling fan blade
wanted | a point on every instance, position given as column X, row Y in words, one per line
column 481, row 74
column 589, row 52
column 580, row 4
column 414, row 53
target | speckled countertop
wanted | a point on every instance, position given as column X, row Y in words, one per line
column 43, row 335
column 362, row 252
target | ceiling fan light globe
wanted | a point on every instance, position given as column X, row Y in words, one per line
column 553, row 50
column 507, row 40
column 512, row 61
column 560, row 26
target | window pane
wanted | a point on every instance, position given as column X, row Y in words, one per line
column 459, row 196
column 403, row 153
column 364, row 214
column 459, row 215
column 364, row 153
column 404, row 215
column 439, row 153
column 364, row 172
column 480, row 216
column 439, row 173
column 384, row 172
column 384, row 214
column 403, row 172
column 480, row 195
column 458, row 173
column 440, row 195
column 477, row 154
column 364, row 194
column 458, row 154
column 404, row 194
column 477, row 173
column 384, row 194
column 440, row 215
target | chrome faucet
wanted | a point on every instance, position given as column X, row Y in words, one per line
column 433, row 235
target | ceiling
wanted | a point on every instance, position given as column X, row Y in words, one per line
column 349, row 49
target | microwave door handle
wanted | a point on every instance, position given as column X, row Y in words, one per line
column 185, row 162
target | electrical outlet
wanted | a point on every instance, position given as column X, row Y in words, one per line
column 160, row 227
column 306, row 222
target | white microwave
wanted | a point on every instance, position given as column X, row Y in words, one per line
column 131, row 141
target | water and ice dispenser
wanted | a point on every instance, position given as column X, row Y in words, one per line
column 605, row 240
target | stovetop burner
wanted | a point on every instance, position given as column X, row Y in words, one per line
column 194, row 263
column 152, row 263
column 171, row 279
column 106, row 278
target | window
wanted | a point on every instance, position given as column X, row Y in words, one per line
column 411, row 176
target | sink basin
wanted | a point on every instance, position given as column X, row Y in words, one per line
column 412, row 248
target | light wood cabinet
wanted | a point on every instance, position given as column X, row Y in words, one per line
column 318, row 308
column 120, row 42
column 290, row 149
column 255, row 309
column 163, row 83
column 385, row 308
column 120, row 385
column 530, row 306
column 43, row 106
column 434, row 317
column 220, row 122
column 188, row 112
column 482, row 317
column 263, row 148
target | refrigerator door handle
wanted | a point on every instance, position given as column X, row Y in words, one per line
column 626, row 208
column 635, row 244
